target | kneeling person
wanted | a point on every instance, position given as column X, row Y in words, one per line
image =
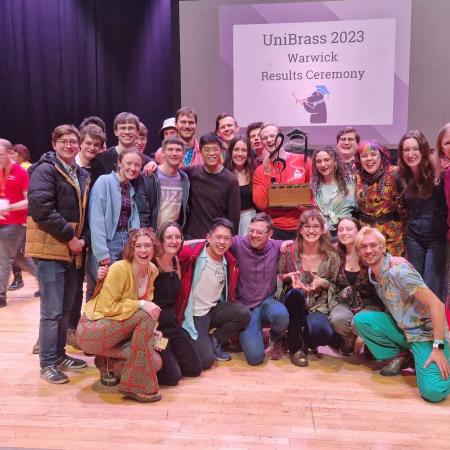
column 416, row 321
column 208, row 294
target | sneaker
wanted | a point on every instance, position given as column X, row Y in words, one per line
column 275, row 350
column 16, row 284
column 72, row 338
column 219, row 352
column 398, row 363
column 53, row 375
column 299, row 358
column 72, row 363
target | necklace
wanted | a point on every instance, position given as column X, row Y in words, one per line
column 352, row 263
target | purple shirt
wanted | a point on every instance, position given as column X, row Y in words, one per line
column 257, row 270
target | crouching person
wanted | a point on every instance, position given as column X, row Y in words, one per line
column 119, row 323
column 207, row 305
column 416, row 321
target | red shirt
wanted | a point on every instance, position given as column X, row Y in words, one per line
column 16, row 184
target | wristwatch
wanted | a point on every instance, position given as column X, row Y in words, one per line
column 439, row 344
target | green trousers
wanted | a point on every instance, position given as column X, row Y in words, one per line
column 385, row 340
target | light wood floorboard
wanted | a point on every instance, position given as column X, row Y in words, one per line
column 336, row 403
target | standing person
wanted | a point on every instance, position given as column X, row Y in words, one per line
column 214, row 190
column 333, row 191
column 119, row 323
column 285, row 220
column 21, row 156
column 163, row 196
column 168, row 130
column 308, row 271
column 57, row 198
column 354, row 292
column 415, row 320
column 226, row 128
column 142, row 137
column 240, row 161
column 126, row 126
column 13, row 215
column 257, row 255
column 424, row 201
column 347, row 141
column 378, row 195
column 206, row 306
column 179, row 358
column 92, row 141
column 113, row 210
column 253, row 138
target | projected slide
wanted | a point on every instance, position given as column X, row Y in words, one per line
column 322, row 65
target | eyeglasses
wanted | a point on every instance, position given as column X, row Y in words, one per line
column 257, row 232
column 66, row 142
column 219, row 237
column 209, row 150
column 346, row 139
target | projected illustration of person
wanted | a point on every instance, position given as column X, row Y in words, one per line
column 315, row 104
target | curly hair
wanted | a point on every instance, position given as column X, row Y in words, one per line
column 339, row 173
column 134, row 234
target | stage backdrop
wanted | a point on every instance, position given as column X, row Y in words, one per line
column 62, row 60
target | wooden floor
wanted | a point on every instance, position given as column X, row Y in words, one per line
column 335, row 403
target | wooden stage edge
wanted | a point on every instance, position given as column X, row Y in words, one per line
column 335, row 403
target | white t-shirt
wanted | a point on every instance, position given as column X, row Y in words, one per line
column 171, row 197
column 209, row 288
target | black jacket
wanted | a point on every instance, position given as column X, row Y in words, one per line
column 53, row 201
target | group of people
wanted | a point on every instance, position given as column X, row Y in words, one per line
column 186, row 256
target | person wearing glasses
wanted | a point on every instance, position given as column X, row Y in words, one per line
column 57, row 201
column 257, row 255
column 207, row 299
column 347, row 141
column 214, row 190
column 308, row 271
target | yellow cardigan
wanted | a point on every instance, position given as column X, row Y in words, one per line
column 118, row 297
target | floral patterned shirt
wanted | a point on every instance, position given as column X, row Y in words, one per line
column 398, row 283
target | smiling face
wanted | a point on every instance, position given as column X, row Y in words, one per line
column 219, row 242
column 258, row 234
column 186, row 126
column 66, row 147
column 411, row 154
column 211, row 154
column 143, row 251
column 141, row 142
column 239, row 154
column 347, row 146
column 90, row 147
column 370, row 250
column 173, row 155
column 312, row 230
column 347, row 232
column 269, row 137
column 126, row 134
column 129, row 167
column 370, row 160
column 325, row 165
column 172, row 240
column 227, row 129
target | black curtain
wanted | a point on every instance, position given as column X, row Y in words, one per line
column 62, row 60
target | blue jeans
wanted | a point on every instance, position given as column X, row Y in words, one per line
column 115, row 247
column 59, row 282
column 11, row 237
column 269, row 312
column 429, row 257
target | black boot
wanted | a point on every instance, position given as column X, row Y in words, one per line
column 17, row 282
